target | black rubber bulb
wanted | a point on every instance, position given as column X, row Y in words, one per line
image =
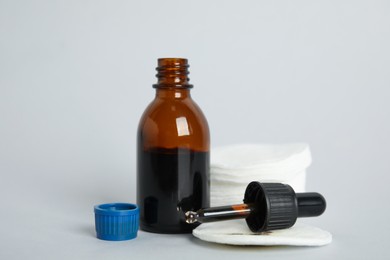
column 267, row 206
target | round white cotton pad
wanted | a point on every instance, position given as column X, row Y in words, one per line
column 236, row 232
column 232, row 167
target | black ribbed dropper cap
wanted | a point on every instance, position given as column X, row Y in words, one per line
column 276, row 206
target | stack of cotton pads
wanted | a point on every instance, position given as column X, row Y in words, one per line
column 233, row 167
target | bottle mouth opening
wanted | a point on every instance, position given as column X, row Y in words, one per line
column 172, row 62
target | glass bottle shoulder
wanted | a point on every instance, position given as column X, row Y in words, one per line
column 174, row 122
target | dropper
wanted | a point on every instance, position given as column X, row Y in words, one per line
column 267, row 206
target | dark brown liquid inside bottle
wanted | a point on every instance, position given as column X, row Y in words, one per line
column 172, row 154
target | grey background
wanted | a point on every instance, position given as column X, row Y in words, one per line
column 75, row 77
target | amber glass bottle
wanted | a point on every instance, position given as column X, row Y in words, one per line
column 172, row 153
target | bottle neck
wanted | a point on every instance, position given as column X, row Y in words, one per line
column 172, row 73
column 173, row 93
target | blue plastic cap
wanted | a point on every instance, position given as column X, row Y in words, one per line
column 116, row 221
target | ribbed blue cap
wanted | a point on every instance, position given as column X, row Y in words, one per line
column 116, row 221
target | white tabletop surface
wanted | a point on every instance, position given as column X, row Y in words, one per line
column 75, row 77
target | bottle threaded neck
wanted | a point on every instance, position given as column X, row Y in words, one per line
column 172, row 73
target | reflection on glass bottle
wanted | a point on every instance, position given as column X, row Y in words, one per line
column 194, row 201
column 150, row 210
